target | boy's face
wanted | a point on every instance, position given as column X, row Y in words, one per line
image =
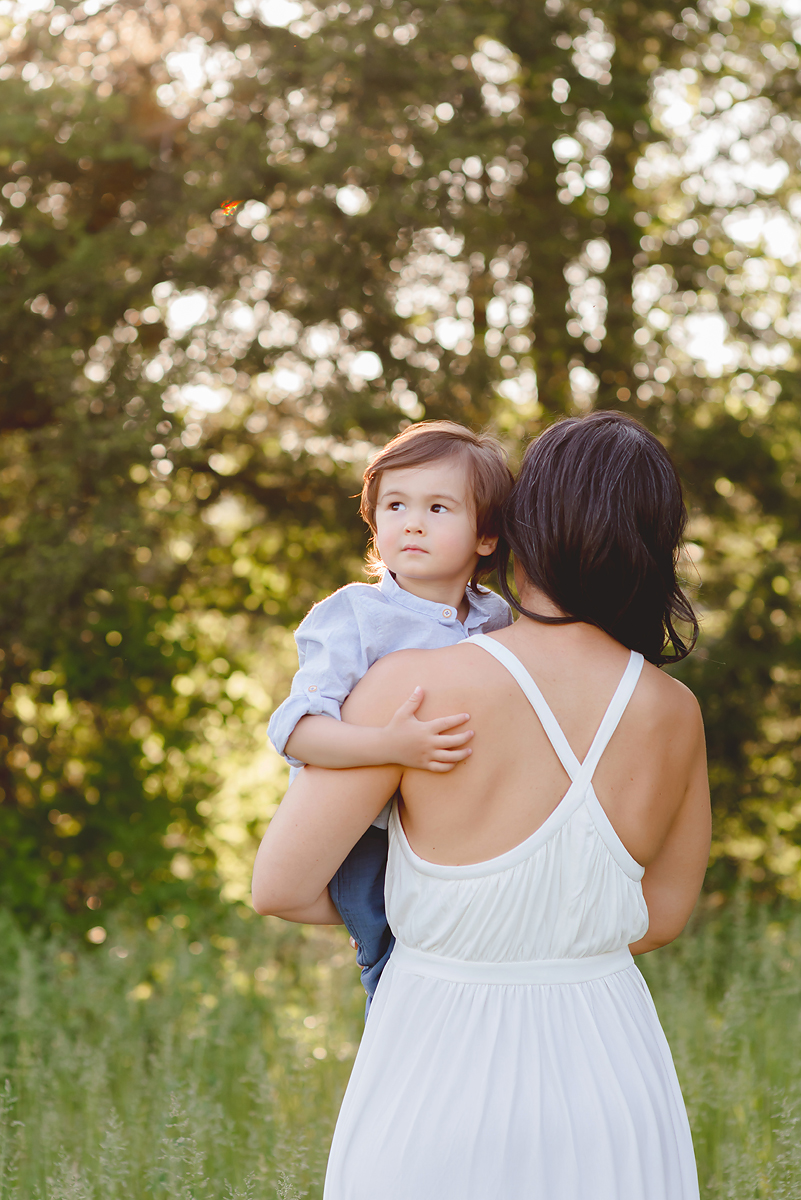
column 426, row 523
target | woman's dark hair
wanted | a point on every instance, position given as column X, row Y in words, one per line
column 595, row 520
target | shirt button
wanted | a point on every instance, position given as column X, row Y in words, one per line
column 446, row 612
column 313, row 687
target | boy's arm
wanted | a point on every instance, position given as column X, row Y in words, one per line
column 332, row 660
column 322, row 741
column 306, row 729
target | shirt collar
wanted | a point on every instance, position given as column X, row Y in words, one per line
column 442, row 613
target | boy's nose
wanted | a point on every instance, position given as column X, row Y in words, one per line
column 413, row 525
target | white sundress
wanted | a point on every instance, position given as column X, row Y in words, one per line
column 513, row 1051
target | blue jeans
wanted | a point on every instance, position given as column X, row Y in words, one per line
column 357, row 891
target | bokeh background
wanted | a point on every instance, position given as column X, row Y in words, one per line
column 243, row 244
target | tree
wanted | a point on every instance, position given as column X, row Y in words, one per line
column 96, row 740
column 298, row 237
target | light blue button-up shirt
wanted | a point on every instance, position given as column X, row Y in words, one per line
column 346, row 633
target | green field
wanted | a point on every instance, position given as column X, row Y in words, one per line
column 197, row 1064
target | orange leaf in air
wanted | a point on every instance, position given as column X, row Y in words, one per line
column 229, row 206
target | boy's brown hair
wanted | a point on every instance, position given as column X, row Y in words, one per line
column 488, row 473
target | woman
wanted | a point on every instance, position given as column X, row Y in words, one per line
column 513, row 1049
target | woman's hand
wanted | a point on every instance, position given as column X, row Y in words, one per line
column 425, row 745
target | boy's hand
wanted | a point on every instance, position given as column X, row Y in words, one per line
column 425, row 744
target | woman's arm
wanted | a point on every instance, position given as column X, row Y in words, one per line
column 673, row 880
column 325, row 812
column 322, row 912
column 320, row 819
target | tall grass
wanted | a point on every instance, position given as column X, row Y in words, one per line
column 729, row 997
column 169, row 1064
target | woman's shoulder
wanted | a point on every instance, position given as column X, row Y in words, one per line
column 667, row 702
column 400, row 672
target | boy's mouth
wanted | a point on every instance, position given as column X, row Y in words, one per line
column 413, row 549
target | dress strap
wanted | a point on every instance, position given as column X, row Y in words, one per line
column 611, row 718
column 580, row 774
column 552, row 728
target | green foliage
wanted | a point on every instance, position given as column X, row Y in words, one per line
column 174, row 1062
column 489, row 212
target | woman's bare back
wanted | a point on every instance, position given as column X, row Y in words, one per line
column 651, row 780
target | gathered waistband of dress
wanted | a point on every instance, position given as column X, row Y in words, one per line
column 542, row 971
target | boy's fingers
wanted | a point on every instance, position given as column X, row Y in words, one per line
column 440, row 724
column 451, row 756
column 447, row 741
column 413, row 703
column 439, row 768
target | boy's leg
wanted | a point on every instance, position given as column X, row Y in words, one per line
column 357, row 890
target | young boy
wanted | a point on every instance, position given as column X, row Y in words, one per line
column 432, row 499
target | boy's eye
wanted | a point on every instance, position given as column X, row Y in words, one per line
column 396, row 506
column 438, row 508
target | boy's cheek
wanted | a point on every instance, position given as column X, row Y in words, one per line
column 458, row 544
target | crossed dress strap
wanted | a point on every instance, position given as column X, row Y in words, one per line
column 579, row 773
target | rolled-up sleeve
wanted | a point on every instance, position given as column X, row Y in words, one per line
column 331, row 660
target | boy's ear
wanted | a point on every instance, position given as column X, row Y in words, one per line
column 486, row 545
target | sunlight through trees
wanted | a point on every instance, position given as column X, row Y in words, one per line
column 242, row 245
